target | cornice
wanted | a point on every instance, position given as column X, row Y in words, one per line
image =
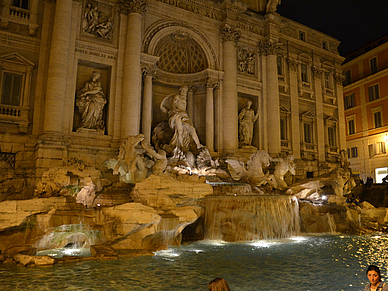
column 366, row 80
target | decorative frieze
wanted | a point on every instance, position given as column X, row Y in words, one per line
column 229, row 33
column 246, row 60
column 19, row 41
column 91, row 50
column 200, row 9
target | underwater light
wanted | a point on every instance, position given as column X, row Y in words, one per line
column 71, row 252
column 263, row 244
column 298, row 238
column 167, row 253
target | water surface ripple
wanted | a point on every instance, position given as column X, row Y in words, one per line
column 328, row 262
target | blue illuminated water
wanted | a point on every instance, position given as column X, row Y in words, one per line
column 330, row 262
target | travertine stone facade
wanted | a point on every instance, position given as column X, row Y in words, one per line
column 226, row 52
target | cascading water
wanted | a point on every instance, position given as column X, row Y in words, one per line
column 247, row 218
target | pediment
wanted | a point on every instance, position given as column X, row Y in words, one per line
column 284, row 109
column 307, row 114
column 331, row 119
column 17, row 59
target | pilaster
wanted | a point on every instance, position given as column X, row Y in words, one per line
column 229, row 37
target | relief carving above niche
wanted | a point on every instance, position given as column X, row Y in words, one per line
column 246, row 61
column 97, row 20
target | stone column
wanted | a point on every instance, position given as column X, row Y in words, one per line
column 295, row 118
column 317, row 74
column 218, row 117
column 210, row 84
column 57, row 68
column 269, row 49
column 341, row 113
column 190, row 102
column 131, row 98
column 230, row 99
column 148, row 73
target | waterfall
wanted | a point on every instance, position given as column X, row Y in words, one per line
column 331, row 222
column 247, row 218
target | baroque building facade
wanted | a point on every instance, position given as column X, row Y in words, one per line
column 366, row 109
column 135, row 52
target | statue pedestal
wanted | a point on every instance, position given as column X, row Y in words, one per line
column 89, row 131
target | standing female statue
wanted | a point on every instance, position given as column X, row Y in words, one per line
column 247, row 119
column 90, row 102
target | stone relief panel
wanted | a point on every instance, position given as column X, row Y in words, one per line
column 97, row 20
column 246, row 61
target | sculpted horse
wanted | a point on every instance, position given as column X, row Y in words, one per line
column 253, row 172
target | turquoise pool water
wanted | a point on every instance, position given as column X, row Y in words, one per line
column 328, row 262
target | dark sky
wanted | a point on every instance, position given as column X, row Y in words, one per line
column 353, row 22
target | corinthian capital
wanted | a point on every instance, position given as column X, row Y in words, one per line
column 339, row 78
column 148, row 69
column 133, row 6
column 229, row 33
column 270, row 47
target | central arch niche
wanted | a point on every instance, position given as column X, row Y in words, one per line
column 185, row 57
column 180, row 54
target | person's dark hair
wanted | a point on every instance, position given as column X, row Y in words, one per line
column 373, row 268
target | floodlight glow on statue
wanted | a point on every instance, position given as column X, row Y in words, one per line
column 179, row 121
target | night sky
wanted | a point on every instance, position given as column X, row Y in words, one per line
column 353, row 22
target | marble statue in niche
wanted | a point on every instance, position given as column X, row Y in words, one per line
column 90, row 101
column 246, row 119
column 97, row 20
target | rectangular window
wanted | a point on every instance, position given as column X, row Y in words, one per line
column 351, row 127
column 12, row 89
column 302, row 35
column 327, row 79
column 283, row 129
column 352, row 152
column 377, row 148
column 373, row 92
column 377, row 119
column 280, row 65
column 324, row 45
column 308, row 132
column 373, row 65
column 349, row 101
column 25, row 4
column 304, row 75
column 348, row 77
column 331, row 133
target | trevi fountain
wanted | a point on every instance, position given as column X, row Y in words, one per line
column 159, row 206
column 170, row 217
